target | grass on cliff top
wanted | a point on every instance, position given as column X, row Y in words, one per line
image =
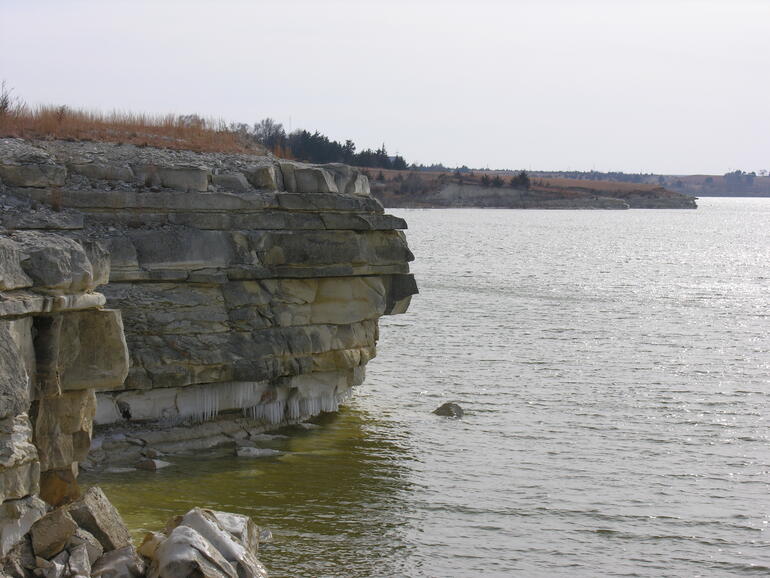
column 181, row 132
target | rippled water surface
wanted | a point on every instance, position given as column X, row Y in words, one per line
column 615, row 370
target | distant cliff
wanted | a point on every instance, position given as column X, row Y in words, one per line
column 445, row 190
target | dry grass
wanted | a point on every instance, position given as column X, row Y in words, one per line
column 188, row 132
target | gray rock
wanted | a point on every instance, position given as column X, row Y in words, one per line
column 449, row 409
column 231, row 182
column 79, row 563
column 52, row 533
column 250, row 452
column 186, row 553
column 33, row 175
column 121, row 563
column 14, row 381
column 16, row 519
column 19, row 465
column 84, row 538
column 94, row 513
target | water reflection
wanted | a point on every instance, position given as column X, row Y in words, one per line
column 333, row 500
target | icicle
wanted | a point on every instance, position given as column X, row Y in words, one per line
column 294, row 410
column 270, row 413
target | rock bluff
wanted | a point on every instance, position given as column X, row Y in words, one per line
column 235, row 290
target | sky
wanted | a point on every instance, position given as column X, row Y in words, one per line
column 663, row 86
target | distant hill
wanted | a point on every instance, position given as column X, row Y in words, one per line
column 732, row 184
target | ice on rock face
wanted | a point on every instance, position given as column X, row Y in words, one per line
column 256, row 400
column 203, row 403
column 271, row 413
column 297, row 406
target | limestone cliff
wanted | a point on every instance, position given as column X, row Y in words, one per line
column 239, row 290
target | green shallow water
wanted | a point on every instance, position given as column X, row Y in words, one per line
column 331, row 496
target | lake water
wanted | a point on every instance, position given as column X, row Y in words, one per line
column 615, row 371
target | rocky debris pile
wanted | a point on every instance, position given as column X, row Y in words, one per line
column 81, row 539
column 88, row 538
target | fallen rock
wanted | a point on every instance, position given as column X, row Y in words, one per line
column 52, row 532
column 79, row 561
column 83, row 537
column 186, row 553
column 215, row 533
column 241, row 527
column 20, row 560
column 56, row 568
column 94, row 513
column 121, row 563
column 449, row 409
column 16, row 519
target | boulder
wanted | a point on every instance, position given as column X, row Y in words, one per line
column 94, row 513
column 302, row 178
column 314, row 180
column 449, row 409
column 235, row 182
column 52, row 533
column 55, row 568
column 84, row 538
column 19, row 562
column 16, row 519
column 207, row 525
column 79, row 563
column 241, row 527
column 265, row 177
column 186, row 553
column 121, row 563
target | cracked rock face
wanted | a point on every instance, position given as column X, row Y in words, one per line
column 236, row 290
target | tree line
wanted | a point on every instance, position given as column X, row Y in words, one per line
column 315, row 147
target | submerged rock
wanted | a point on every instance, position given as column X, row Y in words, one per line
column 249, row 452
column 449, row 409
column 152, row 465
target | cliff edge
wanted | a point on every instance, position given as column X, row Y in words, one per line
column 236, row 290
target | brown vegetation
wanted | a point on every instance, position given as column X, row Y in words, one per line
column 189, row 132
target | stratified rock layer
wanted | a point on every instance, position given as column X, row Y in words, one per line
column 237, row 290
column 245, row 284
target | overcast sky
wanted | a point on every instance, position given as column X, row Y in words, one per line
column 672, row 86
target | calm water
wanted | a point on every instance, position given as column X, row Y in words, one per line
column 615, row 370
